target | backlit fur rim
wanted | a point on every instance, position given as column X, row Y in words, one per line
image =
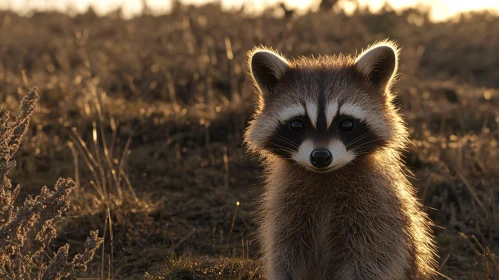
column 269, row 50
column 252, row 138
column 396, row 49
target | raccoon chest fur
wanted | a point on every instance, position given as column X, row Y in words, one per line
column 329, row 227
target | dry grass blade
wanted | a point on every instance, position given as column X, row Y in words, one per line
column 472, row 191
column 106, row 170
column 26, row 230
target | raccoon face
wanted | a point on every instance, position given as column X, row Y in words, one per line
column 323, row 113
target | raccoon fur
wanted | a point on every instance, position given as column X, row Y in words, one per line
column 337, row 204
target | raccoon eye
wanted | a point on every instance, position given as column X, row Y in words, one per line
column 296, row 126
column 347, row 125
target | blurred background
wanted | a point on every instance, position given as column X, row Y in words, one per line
column 440, row 9
column 143, row 104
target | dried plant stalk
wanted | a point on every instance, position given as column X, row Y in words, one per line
column 26, row 230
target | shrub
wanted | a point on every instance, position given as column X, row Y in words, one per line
column 25, row 230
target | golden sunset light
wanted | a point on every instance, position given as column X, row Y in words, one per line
column 249, row 140
column 441, row 9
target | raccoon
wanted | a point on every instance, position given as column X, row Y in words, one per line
column 337, row 204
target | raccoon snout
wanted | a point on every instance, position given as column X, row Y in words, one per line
column 321, row 158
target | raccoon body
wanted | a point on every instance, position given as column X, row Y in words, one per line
column 337, row 204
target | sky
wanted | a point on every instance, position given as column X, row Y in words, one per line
column 441, row 9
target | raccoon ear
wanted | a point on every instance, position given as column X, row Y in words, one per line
column 379, row 64
column 267, row 69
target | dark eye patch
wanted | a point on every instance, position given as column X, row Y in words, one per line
column 284, row 141
column 288, row 137
column 359, row 138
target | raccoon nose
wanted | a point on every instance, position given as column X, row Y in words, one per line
column 321, row 158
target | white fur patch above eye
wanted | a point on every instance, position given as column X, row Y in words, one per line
column 312, row 112
column 353, row 110
column 373, row 118
column 331, row 110
column 341, row 156
column 291, row 111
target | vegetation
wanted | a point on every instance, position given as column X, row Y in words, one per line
column 26, row 230
column 147, row 115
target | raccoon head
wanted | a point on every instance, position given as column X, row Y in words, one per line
column 325, row 112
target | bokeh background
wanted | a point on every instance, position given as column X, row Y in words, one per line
column 143, row 104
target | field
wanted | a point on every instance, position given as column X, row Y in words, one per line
column 147, row 115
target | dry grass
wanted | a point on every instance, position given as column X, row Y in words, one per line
column 26, row 230
column 189, row 267
column 147, row 115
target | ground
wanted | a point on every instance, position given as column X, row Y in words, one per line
column 147, row 116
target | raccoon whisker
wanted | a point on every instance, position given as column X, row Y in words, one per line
column 292, row 145
column 281, row 148
column 363, row 136
column 278, row 145
column 366, row 150
column 287, row 141
column 356, row 140
column 285, row 151
column 369, row 142
column 362, row 153
column 366, row 143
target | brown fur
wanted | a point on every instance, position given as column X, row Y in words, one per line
column 362, row 221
